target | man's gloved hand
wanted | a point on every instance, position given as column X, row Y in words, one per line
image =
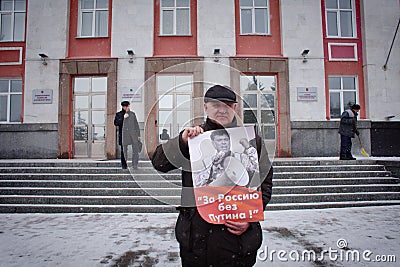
column 357, row 133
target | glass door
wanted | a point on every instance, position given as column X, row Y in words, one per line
column 89, row 116
column 259, row 105
column 174, row 104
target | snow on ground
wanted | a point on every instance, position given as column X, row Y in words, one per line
column 148, row 239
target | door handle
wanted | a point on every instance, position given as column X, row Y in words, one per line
column 92, row 134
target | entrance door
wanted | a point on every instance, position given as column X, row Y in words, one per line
column 259, row 105
column 89, row 116
column 174, row 104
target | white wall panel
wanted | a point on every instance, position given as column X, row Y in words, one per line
column 131, row 75
column 301, row 27
column 132, row 28
column 46, row 32
column 216, row 27
column 382, row 87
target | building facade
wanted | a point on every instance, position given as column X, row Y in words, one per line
column 65, row 65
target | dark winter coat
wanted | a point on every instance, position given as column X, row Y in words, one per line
column 165, row 162
column 128, row 129
column 348, row 123
column 202, row 243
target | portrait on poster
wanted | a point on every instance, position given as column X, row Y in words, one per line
column 224, row 157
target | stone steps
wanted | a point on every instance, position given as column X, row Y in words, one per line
column 161, row 183
column 148, row 169
column 278, row 190
column 147, row 164
column 101, row 186
column 126, row 176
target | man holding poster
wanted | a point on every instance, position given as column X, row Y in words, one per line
column 232, row 236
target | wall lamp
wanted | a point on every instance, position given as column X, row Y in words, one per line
column 44, row 57
column 389, row 117
column 130, row 54
column 304, row 55
column 216, row 53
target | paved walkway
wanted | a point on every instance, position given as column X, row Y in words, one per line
column 148, row 239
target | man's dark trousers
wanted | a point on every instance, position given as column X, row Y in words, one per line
column 345, row 146
column 135, row 156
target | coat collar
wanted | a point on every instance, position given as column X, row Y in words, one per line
column 212, row 125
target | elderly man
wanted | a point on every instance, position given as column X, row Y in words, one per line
column 201, row 243
column 128, row 134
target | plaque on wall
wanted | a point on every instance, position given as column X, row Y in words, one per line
column 307, row 94
column 133, row 95
column 42, row 96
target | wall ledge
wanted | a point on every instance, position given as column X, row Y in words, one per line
column 29, row 127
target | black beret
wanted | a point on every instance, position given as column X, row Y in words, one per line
column 220, row 93
column 125, row 103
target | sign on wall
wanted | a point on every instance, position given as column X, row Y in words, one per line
column 132, row 95
column 307, row 94
column 42, row 96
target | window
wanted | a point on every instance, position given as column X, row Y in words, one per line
column 340, row 18
column 93, row 18
column 258, row 96
column 175, row 17
column 342, row 94
column 12, row 20
column 254, row 17
column 10, row 100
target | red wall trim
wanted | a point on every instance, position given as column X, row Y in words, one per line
column 278, row 125
column 17, row 71
column 260, row 45
column 175, row 45
column 70, row 119
column 11, row 56
column 342, row 52
column 344, row 67
column 12, row 71
column 87, row 47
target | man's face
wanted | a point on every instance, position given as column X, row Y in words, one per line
column 220, row 112
column 221, row 143
column 126, row 108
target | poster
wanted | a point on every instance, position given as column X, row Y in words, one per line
column 226, row 175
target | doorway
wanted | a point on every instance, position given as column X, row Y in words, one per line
column 89, row 117
column 259, row 105
column 174, row 94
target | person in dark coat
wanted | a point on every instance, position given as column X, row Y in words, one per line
column 128, row 134
column 347, row 130
column 164, row 135
column 201, row 243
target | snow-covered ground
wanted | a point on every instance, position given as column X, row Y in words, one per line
column 148, row 239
